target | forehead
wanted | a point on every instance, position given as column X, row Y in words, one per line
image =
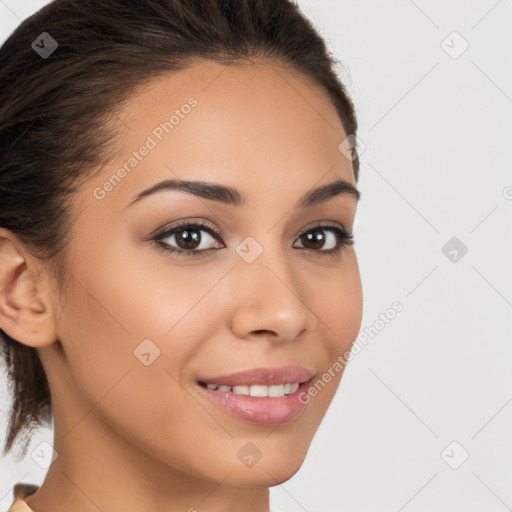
column 259, row 125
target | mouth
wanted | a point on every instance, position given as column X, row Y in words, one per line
column 258, row 390
column 264, row 396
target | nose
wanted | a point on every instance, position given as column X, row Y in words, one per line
column 269, row 299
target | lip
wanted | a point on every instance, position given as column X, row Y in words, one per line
column 260, row 410
column 265, row 376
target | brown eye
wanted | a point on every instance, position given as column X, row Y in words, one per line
column 315, row 239
column 326, row 239
column 189, row 238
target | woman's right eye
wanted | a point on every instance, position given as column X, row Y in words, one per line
column 188, row 239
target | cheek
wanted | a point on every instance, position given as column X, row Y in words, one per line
column 110, row 385
column 111, row 309
column 340, row 306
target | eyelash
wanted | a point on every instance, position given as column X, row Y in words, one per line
column 345, row 238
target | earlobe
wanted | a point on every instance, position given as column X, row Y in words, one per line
column 25, row 313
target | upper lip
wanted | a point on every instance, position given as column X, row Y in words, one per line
column 264, row 376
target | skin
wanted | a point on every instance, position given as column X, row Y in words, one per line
column 131, row 437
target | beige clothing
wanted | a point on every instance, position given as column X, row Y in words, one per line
column 20, row 492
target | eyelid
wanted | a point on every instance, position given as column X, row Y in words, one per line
column 325, row 223
column 164, row 231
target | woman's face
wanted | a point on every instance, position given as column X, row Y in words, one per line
column 141, row 327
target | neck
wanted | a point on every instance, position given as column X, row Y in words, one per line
column 98, row 470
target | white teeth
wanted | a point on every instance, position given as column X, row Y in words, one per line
column 277, row 390
column 259, row 390
column 241, row 390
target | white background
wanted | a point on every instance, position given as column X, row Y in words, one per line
column 437, row 165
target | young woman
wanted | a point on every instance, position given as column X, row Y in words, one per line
column 179, row 289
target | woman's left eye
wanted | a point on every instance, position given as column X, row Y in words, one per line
column 331, row 244
column 188, row 239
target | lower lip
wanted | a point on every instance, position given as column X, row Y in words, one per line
column 260, row 410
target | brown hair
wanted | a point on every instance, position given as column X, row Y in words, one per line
column 55, row 115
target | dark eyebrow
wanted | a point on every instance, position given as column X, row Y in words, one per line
column 231, row 196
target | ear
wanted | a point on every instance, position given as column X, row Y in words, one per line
column 25, row 307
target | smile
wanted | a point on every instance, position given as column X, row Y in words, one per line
column 259, row 390
column 265, row 396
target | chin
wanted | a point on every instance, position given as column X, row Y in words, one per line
column 274, row 471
